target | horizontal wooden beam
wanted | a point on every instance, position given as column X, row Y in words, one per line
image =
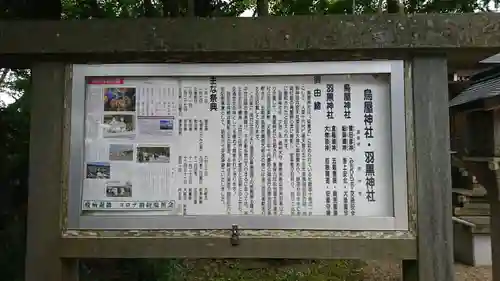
column 202, row 247
column 465, row 38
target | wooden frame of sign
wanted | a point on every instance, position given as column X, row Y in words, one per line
column 428, row 235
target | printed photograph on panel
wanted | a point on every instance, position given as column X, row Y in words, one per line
column 119, row 189
column 153, row 154
column 167, row 124
column 98, row 170
column 119, row 99
column 121, row 152
column 155, row 126
column 118, row 125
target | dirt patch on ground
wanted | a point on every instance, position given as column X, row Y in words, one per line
column 391, row 271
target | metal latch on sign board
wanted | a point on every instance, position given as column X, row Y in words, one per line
column 235, row 235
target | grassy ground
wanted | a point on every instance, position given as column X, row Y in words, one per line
column 222, row 270
column 257, row 270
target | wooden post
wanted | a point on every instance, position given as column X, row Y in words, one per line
column 44, row 203
column 191, row 8
column 434, row 225
column 494, row 200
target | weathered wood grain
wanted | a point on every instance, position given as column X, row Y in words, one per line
column 410, row 150
column 248, row 39
column 435, row 232
column 44, row 204
column 250, row 247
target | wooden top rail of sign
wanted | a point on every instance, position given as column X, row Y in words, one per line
column 464, row 38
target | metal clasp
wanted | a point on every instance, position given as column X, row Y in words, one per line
column 235, row 235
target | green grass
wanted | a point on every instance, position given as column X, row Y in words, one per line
column 223, row 270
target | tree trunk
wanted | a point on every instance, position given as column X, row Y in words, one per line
column 90, row 9
column 191, row 7
column 149, row 10
column 395, row 6
column 43, row 9
column 262, row 8
column 202, row 8
column 3, row 75
column 170, row 8
column 380, row 8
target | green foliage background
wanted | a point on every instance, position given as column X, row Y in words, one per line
column 14, row 135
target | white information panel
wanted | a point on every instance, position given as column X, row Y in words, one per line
column 309, row 145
